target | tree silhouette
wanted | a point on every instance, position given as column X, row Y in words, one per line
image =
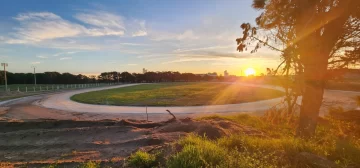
column 312, row 36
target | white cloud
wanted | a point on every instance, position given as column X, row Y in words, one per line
column 132, row 64
column 65, row 53
column 190, row 60
column 65, row 58
column 102, row 19
column 40, row 15
column 34, row 63
column 187, row 35
column 104, row 32
column 132, row 44
column 37, row 27
column 42, row 56
column 203, row 48
column 139, row 33
column 155, row 55
column 139, row 27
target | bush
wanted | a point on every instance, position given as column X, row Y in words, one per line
column 201, row 152
column 335, row 140
column 197, row 152
column 90, row 164
column 142, row 159
column 51, row 166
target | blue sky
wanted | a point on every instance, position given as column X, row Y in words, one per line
column 90, row 37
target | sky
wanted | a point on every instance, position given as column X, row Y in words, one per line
column 90, row 37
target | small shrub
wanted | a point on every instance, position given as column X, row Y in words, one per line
column 201, row 152
column 51, row 166
column 90, row 164
column 336, row 140
column 142, row 159
column 197, row 152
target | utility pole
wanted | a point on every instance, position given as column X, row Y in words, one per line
column 5, row 65
column 34, row 74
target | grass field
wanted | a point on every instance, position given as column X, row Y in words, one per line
column 178, row 94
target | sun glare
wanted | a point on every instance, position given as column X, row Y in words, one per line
column 250, row 72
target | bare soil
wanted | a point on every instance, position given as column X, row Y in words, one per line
column 68, row 142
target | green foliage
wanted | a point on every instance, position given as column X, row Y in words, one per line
column 338, row 141
column 273, row 130
column 142, row 159
column 51, row 166
column 201, row 152
column 178, row 94
column 90, row 164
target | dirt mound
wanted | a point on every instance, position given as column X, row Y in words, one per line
column 65, row 141
column 212, row 129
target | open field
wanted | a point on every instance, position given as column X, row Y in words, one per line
column 178, row 94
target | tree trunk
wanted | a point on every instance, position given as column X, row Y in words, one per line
column 312, row 99
column 315, row 41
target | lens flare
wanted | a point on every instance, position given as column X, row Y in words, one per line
column 250, row 72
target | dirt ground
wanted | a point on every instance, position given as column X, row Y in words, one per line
column 34, row 136
column 67, row 142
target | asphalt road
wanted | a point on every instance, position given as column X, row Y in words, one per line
column 61, row 101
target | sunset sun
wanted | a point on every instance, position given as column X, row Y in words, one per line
column 250, row 72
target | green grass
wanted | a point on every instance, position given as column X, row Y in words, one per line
column 178, row 94
column 338, row 141
column 201, row 152
column 142, row 159
column 89, row 164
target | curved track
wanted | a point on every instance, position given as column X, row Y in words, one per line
column 62, row 101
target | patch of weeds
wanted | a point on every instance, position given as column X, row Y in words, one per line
column 273, row 130
column 335, row 140
column 142, row 159
column 51, row 166
column 201, row 152
column 90, row 164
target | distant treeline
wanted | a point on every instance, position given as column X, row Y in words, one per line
column 105, row 77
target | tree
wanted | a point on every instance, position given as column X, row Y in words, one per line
column 312, row 36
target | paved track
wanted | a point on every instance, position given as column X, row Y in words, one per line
column 62, row 101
